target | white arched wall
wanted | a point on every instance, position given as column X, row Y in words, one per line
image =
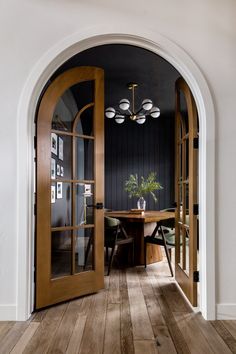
column 25, row 132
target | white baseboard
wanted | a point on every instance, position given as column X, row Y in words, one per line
column 226, row 311
column 7, row 312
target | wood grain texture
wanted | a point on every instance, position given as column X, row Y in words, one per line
column 145, row 346
column 127, row 346
column 51, row 291
column 162, row 336
column 214, row 339
column 112, row 332
column 186, row 194
column 176, row 335
column 93, row 338
column 12, row 336
column 135, row 303
column 141, row 324
column 43, row 337
column 225, row 334
column 25, row 338
column 65, row 329
column 76, row 337
column 139, row 226
column 5, row 326
column 192, row 334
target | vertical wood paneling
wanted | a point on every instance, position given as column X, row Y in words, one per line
column 133, row 148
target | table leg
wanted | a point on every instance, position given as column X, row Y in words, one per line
column 139, row 231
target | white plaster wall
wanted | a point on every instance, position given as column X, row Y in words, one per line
column 205, row 29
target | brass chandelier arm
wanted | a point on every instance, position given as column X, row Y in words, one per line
column 127, row 108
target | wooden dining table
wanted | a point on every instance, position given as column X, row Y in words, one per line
column 139, row 226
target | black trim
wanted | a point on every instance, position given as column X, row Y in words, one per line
column 196, row 276
column 35, row 142
column 195, row 209
column 195, row 143
column 97, row 206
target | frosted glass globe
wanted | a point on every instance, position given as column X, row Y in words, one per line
column 155, row 112
column 141, row 120
column 110, row 112
column 147, row 104
column 124, row 104
column 119, row 119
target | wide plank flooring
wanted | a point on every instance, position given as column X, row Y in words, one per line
column 140, row 311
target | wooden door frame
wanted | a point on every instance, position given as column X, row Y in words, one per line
column 122, row 34
column 186, row 176
column 51, row 290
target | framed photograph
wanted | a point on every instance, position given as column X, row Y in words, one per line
column 53, row 194
column 87, row 190
column 53, row 168
column 60, row 148
column 54, row 143
column 62, row 171
column 59, row 190
column 58, row 170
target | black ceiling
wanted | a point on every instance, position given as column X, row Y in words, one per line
column 124, row 63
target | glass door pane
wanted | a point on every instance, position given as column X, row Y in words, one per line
column 60, row 254
column 84, row 257
column 84, row 159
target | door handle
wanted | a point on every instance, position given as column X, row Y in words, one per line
column 96, row 206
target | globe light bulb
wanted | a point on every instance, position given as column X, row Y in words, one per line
column 155, row 112
column 119, row 118
column 124, row 104
column 147, row 104
column 141, row 119
column 110, row 112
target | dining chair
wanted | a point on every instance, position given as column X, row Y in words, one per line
column 115, row 235
column 163, row 235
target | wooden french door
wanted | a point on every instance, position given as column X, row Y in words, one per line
column 70, row 187
column 186, row 191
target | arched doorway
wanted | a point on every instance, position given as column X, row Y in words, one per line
column 192, row 75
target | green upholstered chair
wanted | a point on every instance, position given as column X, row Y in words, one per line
column 163, row 235
column 115, row 235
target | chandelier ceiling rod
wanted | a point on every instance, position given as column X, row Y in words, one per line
column 146, row 109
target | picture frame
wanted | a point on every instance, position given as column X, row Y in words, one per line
column 53, row 194
column 60, row 148
column 87, row 190
column 54, row 143
column 53, row 168
column 62, row 171
column 59, row 190
column 58, row 170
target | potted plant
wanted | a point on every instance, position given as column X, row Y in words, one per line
column 140, row 187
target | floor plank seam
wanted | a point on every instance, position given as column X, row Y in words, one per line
column 225, row 334
column 136, row 304
column 172, row 322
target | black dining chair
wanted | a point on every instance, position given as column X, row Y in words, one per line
column 114, row 236
column 163, row 235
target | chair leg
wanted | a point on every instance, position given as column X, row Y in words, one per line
column 87, row 251
column 145, row 254
column 167, row 252
column 133, row 253
column 107, row 253
column 111, row 259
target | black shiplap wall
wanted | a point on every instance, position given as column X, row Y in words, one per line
column 133, row 148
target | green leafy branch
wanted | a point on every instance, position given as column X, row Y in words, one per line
column 140, row 188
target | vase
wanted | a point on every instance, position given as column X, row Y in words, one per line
column 141, row 204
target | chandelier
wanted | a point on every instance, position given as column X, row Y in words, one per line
column 127, row 109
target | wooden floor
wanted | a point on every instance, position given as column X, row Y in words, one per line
column 140, row 311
